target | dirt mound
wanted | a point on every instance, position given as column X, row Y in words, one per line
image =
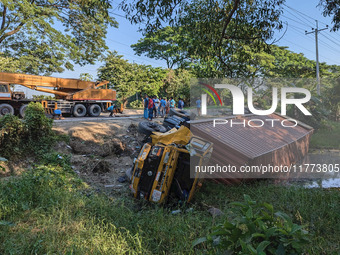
column 102, row 167
column 101, row 152
column 118, row 147
column 101, row 139
column 62, row 147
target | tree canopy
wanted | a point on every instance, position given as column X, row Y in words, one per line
column 332, row 8
column 210, row 31
column 164, row 44
column 130, row 78
column 45, row 36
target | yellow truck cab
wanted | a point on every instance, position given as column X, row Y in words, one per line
column 164, row 167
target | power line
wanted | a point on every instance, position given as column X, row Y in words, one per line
column 321, row 41
column 323, row 57
column 150, row 61
column 302, row 47
column 291, row 25
column 329, row 46
column 299, row 18
column 298, row 45
column 298, row 32
column 304, row 24
column 336, row 43
column 331, row 35
column 302, row 14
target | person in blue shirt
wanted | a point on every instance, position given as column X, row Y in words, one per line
column 198, row 105
column 146, row 110
column 172, row 102
column 162, row 107
column 111, row 110
column 57, row 114
column 180, row 104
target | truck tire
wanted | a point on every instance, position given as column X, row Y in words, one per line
column 22, row 110
column 183, row 114
column 79, row 110
column 173, row 122
column 147, row 127
column 94, row 110
column 6, row 109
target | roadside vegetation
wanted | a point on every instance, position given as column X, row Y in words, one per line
column 327, row 137
column 28, row 137
column 50, row 210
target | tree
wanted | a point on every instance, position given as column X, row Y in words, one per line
column 86, row 77
column 150, row 79
column 47, row 36
column 121, row 74
column 332, row 8
column 177, row 84
column 130, row 78
column 8, row 64
column 163, row 44
column 212, row 33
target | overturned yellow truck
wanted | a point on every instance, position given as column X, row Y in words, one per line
column 163, row 166
column 72, row 96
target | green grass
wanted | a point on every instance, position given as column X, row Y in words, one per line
column 49, row 210
column 327, row 137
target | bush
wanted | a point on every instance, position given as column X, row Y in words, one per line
column 136, row 104
column 12, row 132
column 256, row 229
column 38, row 126
column 31, row 135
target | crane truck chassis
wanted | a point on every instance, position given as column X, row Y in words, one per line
column 76, row 97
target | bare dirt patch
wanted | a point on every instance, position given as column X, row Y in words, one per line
column 15, row 167
column 101, row 152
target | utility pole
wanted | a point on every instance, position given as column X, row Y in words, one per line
column 316, row 31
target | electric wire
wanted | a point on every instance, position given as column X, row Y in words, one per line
column 307, row 24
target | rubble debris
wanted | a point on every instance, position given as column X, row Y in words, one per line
column 113, row 186
column 176, row 211
column 123, row 179
column 129, row 173
column 215, row 212
column 117, row 146
column 101, row 167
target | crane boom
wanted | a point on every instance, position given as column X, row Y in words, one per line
column 63, row 88
column 45, row 81
column 72, row 96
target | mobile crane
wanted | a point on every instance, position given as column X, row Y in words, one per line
column 73, row 96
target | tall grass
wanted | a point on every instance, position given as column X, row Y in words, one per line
column 49, row 210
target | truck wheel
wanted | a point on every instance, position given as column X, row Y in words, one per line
column 183, row 114
column 22, row 110
column 6, row 109
column 146, row 127
column 79, row 110
column 94, row 110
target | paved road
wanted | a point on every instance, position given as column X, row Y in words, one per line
column 102, row 117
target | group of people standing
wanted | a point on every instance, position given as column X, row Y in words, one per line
column 154, row 106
